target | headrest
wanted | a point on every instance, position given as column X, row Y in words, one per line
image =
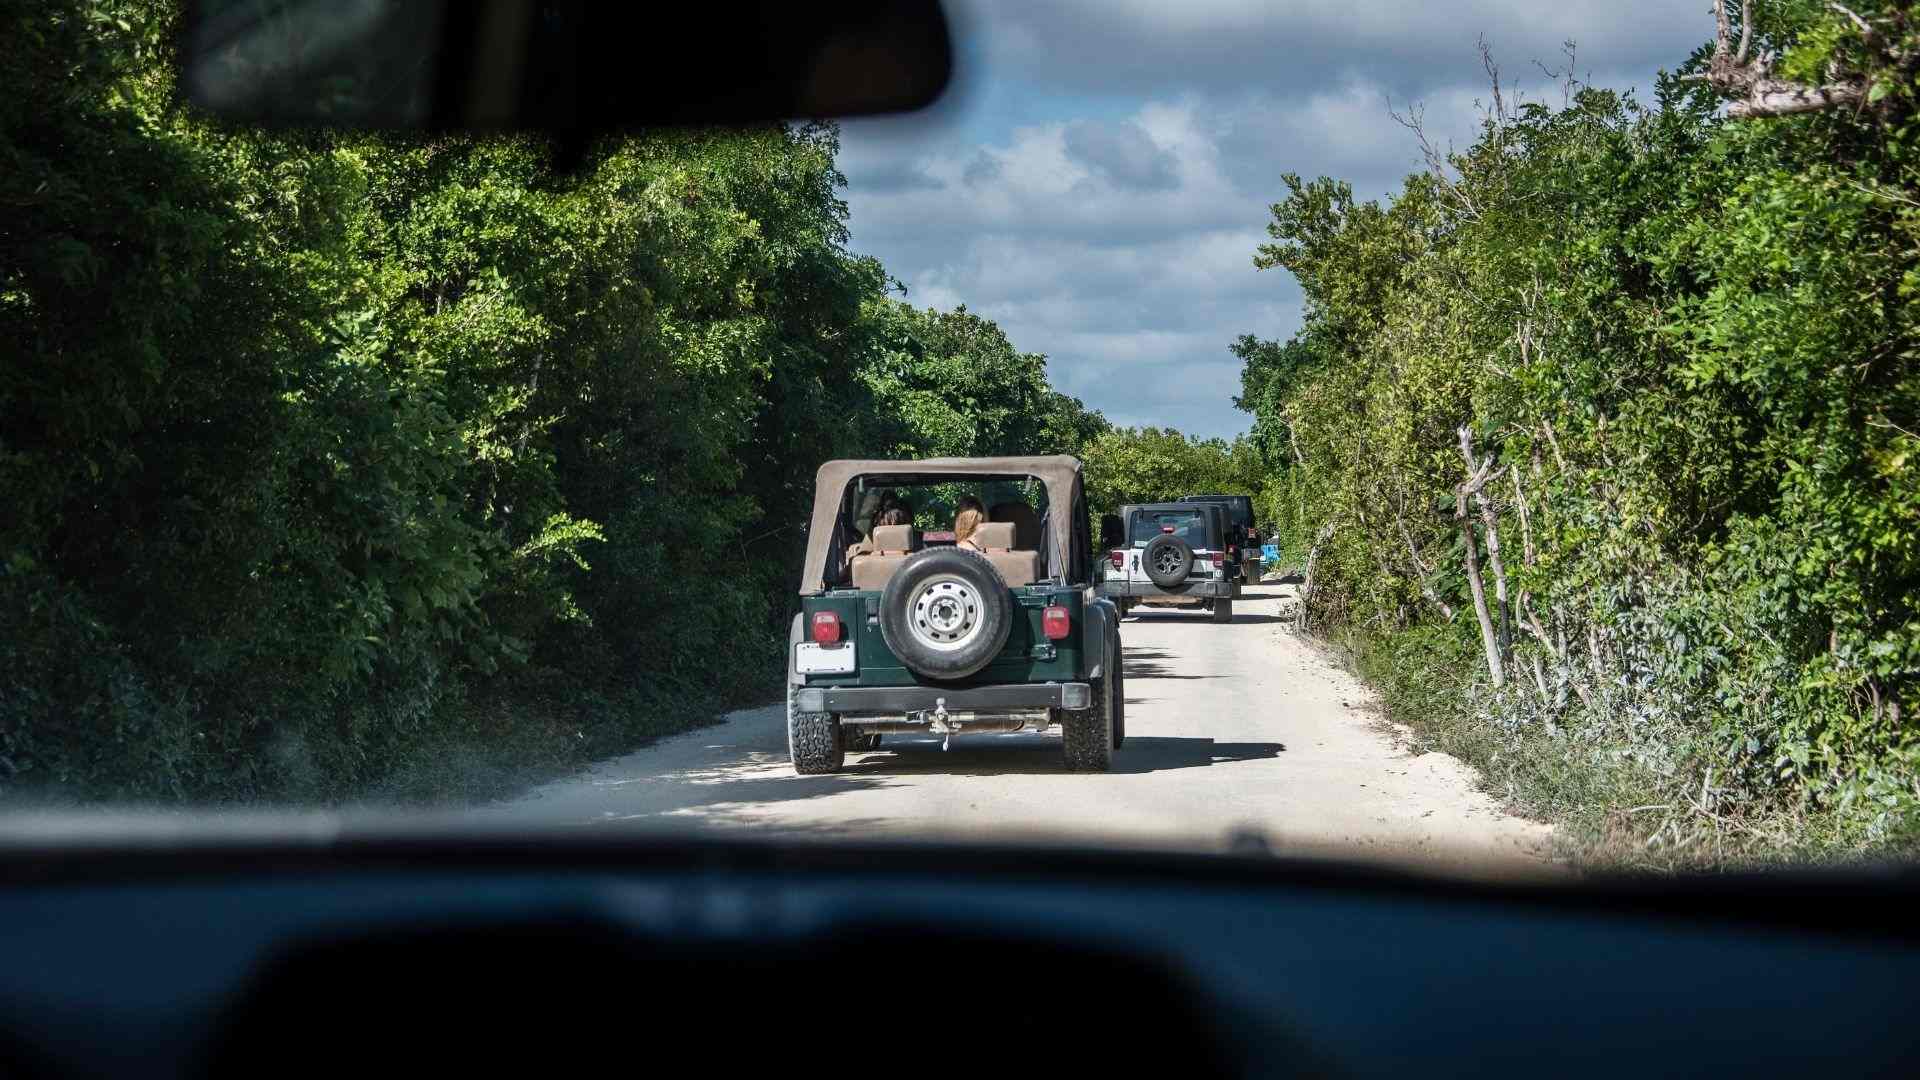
column 893, row 537
column 1013, row 510
column 995, row 535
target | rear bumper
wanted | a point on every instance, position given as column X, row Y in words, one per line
column 1218, row 588
column 889, row 700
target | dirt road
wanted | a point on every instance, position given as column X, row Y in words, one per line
column 1227, row 727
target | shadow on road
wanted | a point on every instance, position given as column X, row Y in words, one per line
column 975, row 755
column 1172, row 614
column 1147, row 664
column 1158, row 753
column 988, row 755
column 719, row 792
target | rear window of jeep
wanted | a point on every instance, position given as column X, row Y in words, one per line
column 1188, row 525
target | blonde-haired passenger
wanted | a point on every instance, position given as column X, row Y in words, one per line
column 967, row 521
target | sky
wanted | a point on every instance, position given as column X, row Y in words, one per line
column 1098, row 176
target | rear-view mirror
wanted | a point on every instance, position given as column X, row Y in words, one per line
column 570, row 67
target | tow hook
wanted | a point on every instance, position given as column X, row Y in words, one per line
column 939, row 723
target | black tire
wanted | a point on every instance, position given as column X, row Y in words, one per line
column 1089, row 735
column 815, row 744
column 1223, row 611
column 964, row 586
column 858, row 741
column 1168, row 560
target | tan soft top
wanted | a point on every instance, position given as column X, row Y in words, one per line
column 1059, row 472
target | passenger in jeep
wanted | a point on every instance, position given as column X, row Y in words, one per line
column 967, row 522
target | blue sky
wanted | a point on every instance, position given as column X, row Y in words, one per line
column 1098, row 176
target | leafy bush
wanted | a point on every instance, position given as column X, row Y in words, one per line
column 339, row 464
column 1666, row 362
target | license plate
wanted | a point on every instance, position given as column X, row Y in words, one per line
column 814, row 658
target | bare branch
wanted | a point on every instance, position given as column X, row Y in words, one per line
column 1493, row 76
column 1865, row 27
column 1746, row 77
column 1306, row 580
column 1420, row 567
column 1771, row 97
column 1478, row 474
column 1526, row 527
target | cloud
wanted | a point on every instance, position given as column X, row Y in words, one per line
column 1123, row 153
column 1101, row 179
column 1150, row 48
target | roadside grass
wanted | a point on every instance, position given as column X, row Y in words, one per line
column 1612, row 811
column 540, row 726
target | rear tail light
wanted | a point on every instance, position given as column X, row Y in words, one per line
column 1217, row 558
column 1056, row 622
column 1119, row 559
column 826, row 627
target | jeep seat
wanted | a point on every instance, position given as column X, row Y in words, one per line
column 891, row 546
column 1016, row 566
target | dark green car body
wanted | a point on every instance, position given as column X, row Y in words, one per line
column 1028, row 656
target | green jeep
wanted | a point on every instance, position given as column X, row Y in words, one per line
column 902, row 630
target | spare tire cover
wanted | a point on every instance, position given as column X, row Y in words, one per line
column 946, row 613
column 1167, row 560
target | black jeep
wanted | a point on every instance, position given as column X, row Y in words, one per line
column 1245, row 530
column 904, row 629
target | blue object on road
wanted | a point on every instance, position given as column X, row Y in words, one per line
column 1270, row 552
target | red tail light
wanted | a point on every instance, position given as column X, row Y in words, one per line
column 1119, row 559
column 1056, row 622
column 826, row 627
column 1217, row 557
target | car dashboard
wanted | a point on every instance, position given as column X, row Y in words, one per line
column 304, row 951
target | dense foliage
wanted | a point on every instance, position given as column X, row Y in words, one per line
column 339, row 464
column 1135, row 465
column 1649, row 374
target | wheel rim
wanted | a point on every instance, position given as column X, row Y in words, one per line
column 1166, row 560
column 947, row 614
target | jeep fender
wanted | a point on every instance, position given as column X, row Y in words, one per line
column 1103, row 619
column 793, row 638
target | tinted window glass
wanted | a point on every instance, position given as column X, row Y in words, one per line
column 1188, row 525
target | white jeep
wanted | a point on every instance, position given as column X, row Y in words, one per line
column 1175, row 553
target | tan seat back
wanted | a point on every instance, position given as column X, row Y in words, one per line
column 1016, row 566
column 891, row 546
column 894, row 539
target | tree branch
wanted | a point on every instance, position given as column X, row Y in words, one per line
column 1747, row 78
column 1477, row 475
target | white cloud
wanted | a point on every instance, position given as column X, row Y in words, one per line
column 1102, row 193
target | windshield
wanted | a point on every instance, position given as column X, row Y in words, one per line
column 1564, row 354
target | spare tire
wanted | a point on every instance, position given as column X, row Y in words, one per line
column 1167, row 560
column 946, row 613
